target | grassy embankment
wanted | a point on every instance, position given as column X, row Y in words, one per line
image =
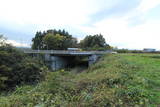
column 117, row 80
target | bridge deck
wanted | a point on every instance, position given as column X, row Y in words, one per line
column 63, row 52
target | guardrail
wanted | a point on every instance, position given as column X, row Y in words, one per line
column 66, row 52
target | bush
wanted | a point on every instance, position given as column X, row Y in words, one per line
column 128, row 51
column 17, row 68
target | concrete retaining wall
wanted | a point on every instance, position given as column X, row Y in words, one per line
column 59, row 62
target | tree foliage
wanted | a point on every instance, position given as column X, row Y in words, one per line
column 94, row 42
column 2, row 40
column 17, row 68
column 53, row 39
column 61, row 40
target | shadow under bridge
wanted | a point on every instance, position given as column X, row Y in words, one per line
column 58, row 59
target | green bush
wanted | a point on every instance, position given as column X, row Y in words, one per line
column 17, row 68
column 128, row 51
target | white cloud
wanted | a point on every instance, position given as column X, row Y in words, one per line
column 34, row 15
column 123, row 33
column 148, row 4
column 17, row 44
column 44, row 14
column 118, row 33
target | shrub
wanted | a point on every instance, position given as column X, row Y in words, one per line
column 17, row 68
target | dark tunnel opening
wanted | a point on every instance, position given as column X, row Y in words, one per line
column 77, row 61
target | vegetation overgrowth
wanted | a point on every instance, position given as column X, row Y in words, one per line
column 17, row 68
column 120, row 80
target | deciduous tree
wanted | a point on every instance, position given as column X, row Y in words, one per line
column 60, row 40
column 94, row 42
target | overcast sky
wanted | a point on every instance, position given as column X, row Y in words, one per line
column 133, row 24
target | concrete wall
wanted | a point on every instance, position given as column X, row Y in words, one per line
column 56, row 62
column 92, row 59
column 59, row 62
column 47, row 57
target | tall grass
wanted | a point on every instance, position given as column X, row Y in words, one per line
column 116, row 80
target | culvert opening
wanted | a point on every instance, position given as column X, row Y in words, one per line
column 77, row 62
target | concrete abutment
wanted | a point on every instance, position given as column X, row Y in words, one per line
column 59, row 62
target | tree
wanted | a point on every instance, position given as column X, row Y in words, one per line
column 52, row 41
column 94, row 42
column 65, row 40
column 2, row 40
column 38, row 40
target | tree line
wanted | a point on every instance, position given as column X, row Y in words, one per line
column 61, row 40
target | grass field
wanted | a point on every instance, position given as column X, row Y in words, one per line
column 119, row 80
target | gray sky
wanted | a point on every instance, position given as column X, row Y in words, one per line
column 132, row 24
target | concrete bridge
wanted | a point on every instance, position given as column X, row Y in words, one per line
column 58, row 59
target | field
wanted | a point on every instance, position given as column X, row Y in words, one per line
column 118, row 80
